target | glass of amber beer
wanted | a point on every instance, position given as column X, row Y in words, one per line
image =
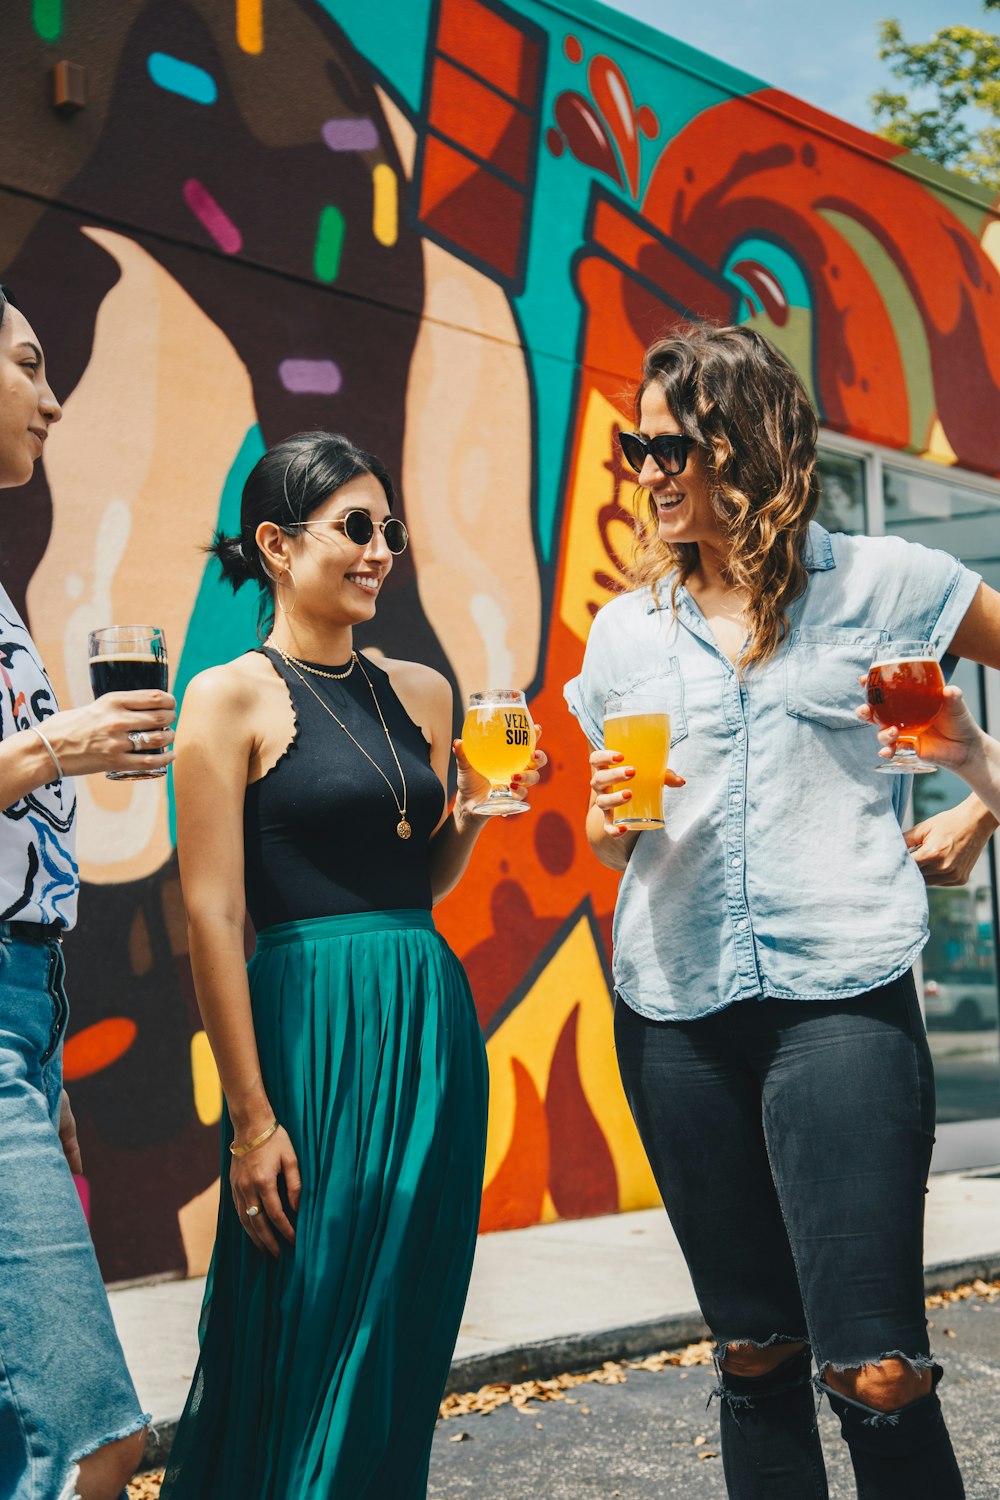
column 124, row 658
column 905, row 692
column 637, row 726
column 498, row 737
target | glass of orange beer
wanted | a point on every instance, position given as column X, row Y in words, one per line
column 637, row 725
column 906, row 692
column 498, row 737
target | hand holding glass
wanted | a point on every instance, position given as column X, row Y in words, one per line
column 637, row 726
column 498, row 738
column 906, row 692
column 126, row 659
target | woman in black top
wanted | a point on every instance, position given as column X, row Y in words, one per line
column 311, row 793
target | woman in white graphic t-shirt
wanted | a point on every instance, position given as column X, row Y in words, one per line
column 70, row 1421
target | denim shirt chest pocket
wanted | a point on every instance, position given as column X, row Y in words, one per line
column 666, row 682
column 822, row 668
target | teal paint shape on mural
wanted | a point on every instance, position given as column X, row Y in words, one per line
column 770, row 277
column 179, row 77
column 47, row 19
column 329, row 244
column 392, row 36
column 222, row 625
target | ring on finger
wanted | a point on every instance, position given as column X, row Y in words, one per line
column 253, row 1210
column 139, row 738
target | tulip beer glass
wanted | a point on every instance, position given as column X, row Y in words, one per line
column 123, row 659
column 906, row 692
column 637, row 725
column 498, row 737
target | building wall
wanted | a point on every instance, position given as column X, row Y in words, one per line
column 447, row 228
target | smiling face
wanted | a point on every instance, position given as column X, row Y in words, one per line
column 684, row 510
column 27, row 406
column 337, row 582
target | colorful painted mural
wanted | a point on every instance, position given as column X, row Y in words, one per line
column 448, row 228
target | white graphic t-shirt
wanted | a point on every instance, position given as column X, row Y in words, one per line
column 39, row 878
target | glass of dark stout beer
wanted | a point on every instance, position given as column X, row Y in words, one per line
column 905, row 692
column 126, row 659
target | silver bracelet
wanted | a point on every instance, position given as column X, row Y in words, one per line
column 52, row 754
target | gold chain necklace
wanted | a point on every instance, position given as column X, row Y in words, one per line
column 318, row 671
column 403, row 829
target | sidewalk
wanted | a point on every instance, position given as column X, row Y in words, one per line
column 555, row 1297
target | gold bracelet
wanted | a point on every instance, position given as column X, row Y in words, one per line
column 258, row 1140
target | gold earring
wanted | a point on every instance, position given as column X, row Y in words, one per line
column 287, row 574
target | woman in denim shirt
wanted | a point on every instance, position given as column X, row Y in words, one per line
column 768, row 1032
column 70, row 1420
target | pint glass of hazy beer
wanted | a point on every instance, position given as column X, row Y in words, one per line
column 905, row 691
column 124, row 658
column 637, row 725
column 498, row 737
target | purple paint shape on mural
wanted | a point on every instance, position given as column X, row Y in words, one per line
column 310, row 377
column 350, row 135
column 213, row 218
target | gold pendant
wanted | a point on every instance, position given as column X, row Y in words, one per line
column 403, row 829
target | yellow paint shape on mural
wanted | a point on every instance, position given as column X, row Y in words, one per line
column 467, row 479
column 991, row 241
column 587, row 551
column 135, row 469
column 205, row 1077
column 250, row 25
column 938, row 449
column 197, row 1222
column 573, row 977
column 385, row 207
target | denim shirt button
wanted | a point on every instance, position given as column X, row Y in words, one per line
column 742, row 925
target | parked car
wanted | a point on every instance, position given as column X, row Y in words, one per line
column 962, row 1002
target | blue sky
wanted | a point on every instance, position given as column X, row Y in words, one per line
column 822, row 50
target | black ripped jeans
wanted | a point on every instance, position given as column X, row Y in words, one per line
column 791, row 1142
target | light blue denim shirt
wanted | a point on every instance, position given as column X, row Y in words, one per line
column 782, row 869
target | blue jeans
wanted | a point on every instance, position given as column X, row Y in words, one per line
column 791, row 1142
column 65, row 1390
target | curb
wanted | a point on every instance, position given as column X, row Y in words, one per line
column 583, row 1351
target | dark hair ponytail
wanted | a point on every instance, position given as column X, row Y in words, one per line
column 285, row 487
column 229, row 552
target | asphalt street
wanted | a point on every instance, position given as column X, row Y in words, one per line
column 651, row 1438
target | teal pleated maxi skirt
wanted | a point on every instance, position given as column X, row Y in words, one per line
column 320, row 1373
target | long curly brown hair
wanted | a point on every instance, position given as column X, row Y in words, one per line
column 740, row 400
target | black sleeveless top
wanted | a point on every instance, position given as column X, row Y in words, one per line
column 319, row 828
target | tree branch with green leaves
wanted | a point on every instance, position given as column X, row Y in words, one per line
column 955, row 117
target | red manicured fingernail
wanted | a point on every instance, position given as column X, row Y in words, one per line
column 627, row 796
column 629, row 772
column 617, row 759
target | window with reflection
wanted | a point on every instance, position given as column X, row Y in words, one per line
column 842, row 492
column 961, row 1000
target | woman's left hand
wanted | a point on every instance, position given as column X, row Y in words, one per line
column 474, row 788
column 67, row 1135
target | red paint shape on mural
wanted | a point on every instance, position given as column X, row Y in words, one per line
column 497, row 964
column 613, row 98
column 555, row 141
column 649, row 123
column 582, row 1176
column 767, row 288
column 514, row 1196
column 483, row 121
column 554, row 842
column 97, row 1046
column 83, row 1191
column 467, row 204
column 587, row 137
column 212, row 217
column 489, row 45
column 756, row 180
column 573, row 49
